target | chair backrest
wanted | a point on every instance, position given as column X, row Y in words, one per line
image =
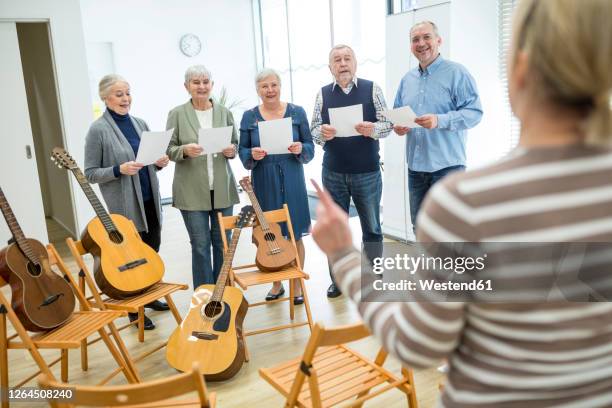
column 274, row 216
column 121, row 395
column 322, row 337
column 280, row 215
column 78, row 250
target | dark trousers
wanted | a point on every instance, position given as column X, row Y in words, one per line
column 205, row 234
column 419, row 183
column 366, row 191
column 152, row 237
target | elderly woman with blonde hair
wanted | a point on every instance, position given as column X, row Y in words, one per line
column 128, row 187
column 204, row 184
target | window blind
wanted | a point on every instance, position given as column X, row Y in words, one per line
column 506, row 8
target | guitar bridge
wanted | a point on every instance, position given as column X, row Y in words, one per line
column 204, row 335
column 132, row 265
column 275, row 251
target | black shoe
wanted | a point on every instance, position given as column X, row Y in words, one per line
column 298, row 300
column 148, row 323
column 273, row 296
column 158, row 305
column 333, row 291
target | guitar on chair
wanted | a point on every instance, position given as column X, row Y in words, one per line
column 124, row 265
column 41, row 299
column 274, row 252
column 211, row 333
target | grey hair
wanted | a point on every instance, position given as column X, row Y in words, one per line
column 433, row 25
column 340, row 47
column 197, row 71
column 264, row 73
column 106, row 84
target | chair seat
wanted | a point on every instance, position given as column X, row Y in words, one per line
column 342, row 374
column 81, row 325
column 257, row 277
column 157, row 291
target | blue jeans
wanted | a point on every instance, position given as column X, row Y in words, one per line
column 203, row 229
column 366, row 190
column 419, row 183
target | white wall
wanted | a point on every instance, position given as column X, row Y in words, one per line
column 469, row 29
column 145, row 42
column 474, row 33
column 68, row 51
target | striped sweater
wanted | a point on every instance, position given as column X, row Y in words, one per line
column 500, row 354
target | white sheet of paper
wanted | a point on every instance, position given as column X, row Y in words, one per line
column 403, row 116
column 153, row 146
column 345, row 119
column 214, row 140
column 275, row 136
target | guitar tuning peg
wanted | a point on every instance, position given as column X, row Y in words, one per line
column 52, row 159
column 59, row 166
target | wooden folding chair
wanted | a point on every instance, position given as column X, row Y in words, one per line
column 134, row 304
column 151, row 394
column 335, row 373
column 251, row 275
column 70, row 335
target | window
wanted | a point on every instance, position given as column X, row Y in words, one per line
column 295, row 37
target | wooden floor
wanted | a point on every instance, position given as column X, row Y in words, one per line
column 246, row 388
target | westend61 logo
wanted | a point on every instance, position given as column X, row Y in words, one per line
column 486, row 272
column 412, row 264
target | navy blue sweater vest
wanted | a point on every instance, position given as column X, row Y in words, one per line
column 124, row 123
column 355, row 154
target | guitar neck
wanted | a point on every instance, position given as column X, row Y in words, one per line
column 258, row 211
column 227, row 264
column 101, row 212
column 16, row 231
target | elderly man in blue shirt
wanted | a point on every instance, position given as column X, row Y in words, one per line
column 443, row 94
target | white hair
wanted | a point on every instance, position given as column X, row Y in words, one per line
column 107, row 82
column 341, row 47
column 425, row 22
column 264, row 73
column 197, row 71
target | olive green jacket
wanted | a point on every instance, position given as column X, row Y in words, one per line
column 190, row 188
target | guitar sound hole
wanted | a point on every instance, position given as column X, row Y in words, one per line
column 34, row 269
column 115, row 237
column 213, row 309
column 270, row 236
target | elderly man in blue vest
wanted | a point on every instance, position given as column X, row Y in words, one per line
column 351, row 165
column 444, row 95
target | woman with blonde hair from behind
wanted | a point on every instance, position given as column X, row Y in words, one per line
column 554, row 187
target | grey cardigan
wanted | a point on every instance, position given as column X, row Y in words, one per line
column 190, row 188
column 106, row 147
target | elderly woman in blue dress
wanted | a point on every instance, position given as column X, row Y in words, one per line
column 278, row 178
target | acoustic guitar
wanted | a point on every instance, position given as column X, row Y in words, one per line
column 211, row 333
column 41, row 299
column 124, row 265
column 274, row 252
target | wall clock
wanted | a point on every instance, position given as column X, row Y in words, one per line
column 190, row 45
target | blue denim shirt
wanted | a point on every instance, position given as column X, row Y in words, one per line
column 448, row 90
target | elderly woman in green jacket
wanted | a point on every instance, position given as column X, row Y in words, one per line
column 204, row 184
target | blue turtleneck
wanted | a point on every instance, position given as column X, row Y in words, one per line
column 124, row 123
